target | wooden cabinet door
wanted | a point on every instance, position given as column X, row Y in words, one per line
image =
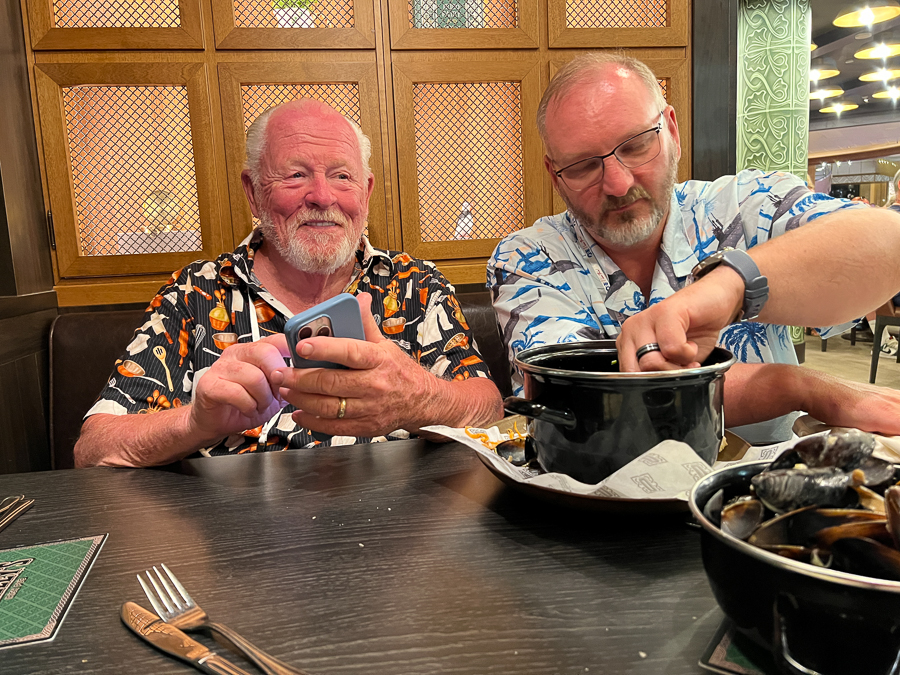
column 130, row 166
column 464, row 24
column 266, row 24
column 347, row 83
column 469, row 157
column 119, row 24
column 584, row 24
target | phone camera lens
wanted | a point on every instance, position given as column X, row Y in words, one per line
column 304, row 333
column 324, row 330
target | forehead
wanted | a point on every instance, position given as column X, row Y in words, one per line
column 311, row 133
column 603, row 107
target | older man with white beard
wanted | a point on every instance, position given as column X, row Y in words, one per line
column 610, row 266
column 209, row 360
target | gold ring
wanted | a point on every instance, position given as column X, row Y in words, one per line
column 343, row 409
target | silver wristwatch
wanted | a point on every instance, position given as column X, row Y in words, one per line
column 756, row 286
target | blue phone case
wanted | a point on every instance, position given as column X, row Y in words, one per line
column 341, row 311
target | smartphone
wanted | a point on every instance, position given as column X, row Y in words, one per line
column 337, row 317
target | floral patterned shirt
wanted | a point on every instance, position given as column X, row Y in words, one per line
column 552, row 282
column 210, row 305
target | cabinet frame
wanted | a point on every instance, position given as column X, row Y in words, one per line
column 230, row 36
column 45, row 34
column 524, row 68
column 311, row 69
column 51, row 79
column 523, row 36
column 675, row 34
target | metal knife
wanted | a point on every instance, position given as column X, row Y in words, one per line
column 173, row 642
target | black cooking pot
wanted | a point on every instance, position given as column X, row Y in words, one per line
column 588, row 420
column 812, row 619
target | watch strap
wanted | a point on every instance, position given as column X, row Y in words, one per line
column 756, row 286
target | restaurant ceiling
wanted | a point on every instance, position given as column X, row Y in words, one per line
column 841, row 44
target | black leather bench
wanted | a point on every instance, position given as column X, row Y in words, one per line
column 84, row 346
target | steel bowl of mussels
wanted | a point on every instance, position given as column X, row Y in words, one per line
column 802, row 554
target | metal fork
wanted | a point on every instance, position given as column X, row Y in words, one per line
column 180, row 610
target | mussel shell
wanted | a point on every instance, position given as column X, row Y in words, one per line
column 868, row 499
column 518, row 452
column 799, row 528
column 742, row 516
column 892, row 512
column 867, row 558
column 871, row 529
column 874, row 472
column 785, row 490
column 841, row 448
column 713, row 508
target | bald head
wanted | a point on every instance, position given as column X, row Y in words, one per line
column 258, row 133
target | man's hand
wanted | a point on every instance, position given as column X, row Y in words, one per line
column 685, row 325
column 236, row 393
column 841, row 403
column 384, row 388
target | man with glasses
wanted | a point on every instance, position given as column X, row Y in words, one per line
column 631, row 238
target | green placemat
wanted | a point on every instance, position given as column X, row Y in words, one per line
column 731, row 653
column 37, row 585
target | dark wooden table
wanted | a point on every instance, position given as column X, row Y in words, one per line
column 397, row 558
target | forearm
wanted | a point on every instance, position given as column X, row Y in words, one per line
column 756, row 392
column 460, row 403
column 137, row 440
column 834, row 269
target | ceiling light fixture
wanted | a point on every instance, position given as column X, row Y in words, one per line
column 875, row 11
column 813, row 46
column 839, row 107
column 891, row 93
column 822, row 94
column 822, row 68
column 881, row 75
column 883, row 46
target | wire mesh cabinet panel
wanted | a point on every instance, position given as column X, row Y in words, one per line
column 350, row 86
column 130, row 167
column 294, row 24
column 463, row 24
column 674, row 80
column 115, row 24
column 618, row 23
column 469, row 158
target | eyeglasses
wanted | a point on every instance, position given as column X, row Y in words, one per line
column 631, row 153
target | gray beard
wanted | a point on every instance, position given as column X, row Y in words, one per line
column 320, row 261
column 629, row 230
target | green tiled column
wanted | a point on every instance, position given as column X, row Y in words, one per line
column 773, row 85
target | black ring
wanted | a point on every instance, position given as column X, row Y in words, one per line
column 646, row 349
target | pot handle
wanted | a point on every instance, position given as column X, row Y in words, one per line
column 786, row 662
column 521, row 406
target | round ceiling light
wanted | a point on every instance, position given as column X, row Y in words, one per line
column 892, row 93
column 881, row 75
column 883, row 46
column 822, row 69
column 822, row 94
column 875, row 11
column 838, row 107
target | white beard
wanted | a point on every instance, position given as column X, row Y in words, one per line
column 324, row 256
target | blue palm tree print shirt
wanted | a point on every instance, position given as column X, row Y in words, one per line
column 552, row 282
